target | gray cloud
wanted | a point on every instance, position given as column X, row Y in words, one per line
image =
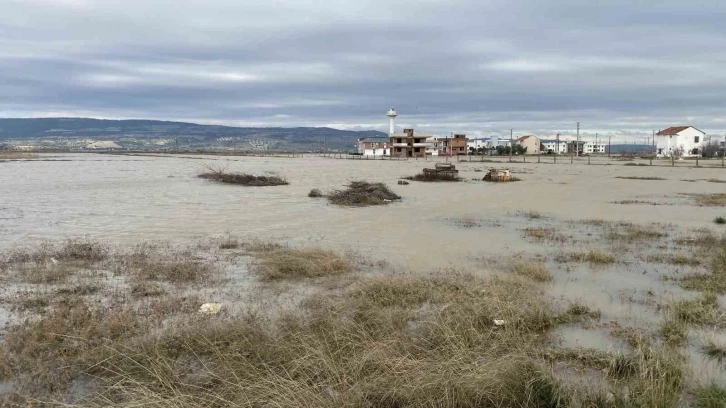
column 620, row 67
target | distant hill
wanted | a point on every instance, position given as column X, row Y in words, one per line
column 156, row 134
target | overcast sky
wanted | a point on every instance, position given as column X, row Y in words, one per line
column 620, row 67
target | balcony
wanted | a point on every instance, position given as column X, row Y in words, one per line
column 422, row 145
column 399, row 144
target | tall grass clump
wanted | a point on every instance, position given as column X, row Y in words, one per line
column 363, row 193
column 719, row 220
column 279, row 262
column 711, row 396
column 715, row 279
column 534, row 270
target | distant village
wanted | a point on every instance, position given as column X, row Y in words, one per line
column 677, row 141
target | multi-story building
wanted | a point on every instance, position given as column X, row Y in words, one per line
column 409, row 143
column 594, row 148
column 374, row 146
column 554, row 146
column 531, row 143
column 453, row 146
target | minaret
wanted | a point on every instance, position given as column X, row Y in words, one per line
column 391, row 119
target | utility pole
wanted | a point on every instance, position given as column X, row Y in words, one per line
column 578, row 140
column 511, row 145
column 608, row 145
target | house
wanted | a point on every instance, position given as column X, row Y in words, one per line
column 679, row 141
column 409, row 143
column 531, row 143
column 553, row 146
column 374, row 146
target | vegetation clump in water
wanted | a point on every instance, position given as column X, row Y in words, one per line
column 315, row 193
column 243, row 179
column 434, row 176
column 363, row 193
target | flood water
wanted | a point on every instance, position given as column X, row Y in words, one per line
column 128, row 199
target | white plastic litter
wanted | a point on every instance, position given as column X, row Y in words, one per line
column 498, row 322
column 210, row 308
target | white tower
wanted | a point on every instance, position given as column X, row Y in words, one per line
column 391, row 119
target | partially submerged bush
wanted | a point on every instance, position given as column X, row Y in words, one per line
column 719, row 220
column 434, row 176
column 244, row 179
column 315, row 193
column 362, row 193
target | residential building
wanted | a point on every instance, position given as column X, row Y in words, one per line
column 679, row 141
column 479, row 143
column 554, row 146
column 453, row 146
column 576, row 147
column 409, row 143
column 374, row 146
column 531, row 143
column 594, row 148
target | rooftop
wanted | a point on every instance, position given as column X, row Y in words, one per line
column 672, row 131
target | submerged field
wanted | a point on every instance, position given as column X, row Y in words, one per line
column 573, row 287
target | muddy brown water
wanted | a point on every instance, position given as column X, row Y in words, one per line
column 129, row 199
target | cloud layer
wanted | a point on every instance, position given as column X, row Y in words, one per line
column 619, row 67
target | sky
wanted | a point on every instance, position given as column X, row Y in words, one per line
column 622, row 68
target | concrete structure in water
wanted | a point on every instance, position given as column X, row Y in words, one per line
column 679, row 141
column 409, row 143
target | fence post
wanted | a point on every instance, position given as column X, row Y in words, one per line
column 539, row 157
column 588, row 159
column 651, row 160
column 673, row 161
column 571, row 159
column 524, row 158
column 696, row 161
column 556, row 158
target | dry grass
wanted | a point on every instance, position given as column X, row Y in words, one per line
column 278, row 263
column 83, row 289
column 715, row 279
column 16, row 155
column 713, row 180
column 544, row 234
column 433, row 177
column 466, row 222
column 229, row 242
column 531, row 269
column 635, row 202
column 640, row 178
column 222, row 176
column 702, row 312
column 626, row 232
column 362, row 193
column 710, row 200
column 593, row 256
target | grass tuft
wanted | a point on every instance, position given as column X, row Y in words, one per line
column 593, row 256
column 719, row 220
column 534, row 270
column 714, row 350
column 315, row 193
column 711, row 396
column 280, row 263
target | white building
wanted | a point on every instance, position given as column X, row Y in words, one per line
column 553, row 146
column 593, row 148
column 374, row 146
column 679, row 140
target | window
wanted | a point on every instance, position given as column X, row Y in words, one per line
column 418, row 149
column 695, row 140
column 398, row 149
